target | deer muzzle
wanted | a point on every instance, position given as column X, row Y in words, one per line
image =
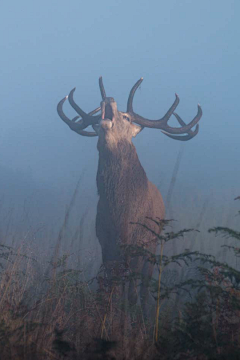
column 108, row 108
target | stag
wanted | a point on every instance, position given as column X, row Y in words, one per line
column 126, row 197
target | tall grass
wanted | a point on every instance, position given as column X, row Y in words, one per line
column 54, row 312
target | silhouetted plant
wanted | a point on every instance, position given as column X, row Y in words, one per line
column 5, row 254
column 99, row 349
column 61, row 346
column 68, row 319
column 209, row 326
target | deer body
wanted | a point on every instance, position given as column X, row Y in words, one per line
column 126, row 196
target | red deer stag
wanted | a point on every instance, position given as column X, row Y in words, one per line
column 126, row 195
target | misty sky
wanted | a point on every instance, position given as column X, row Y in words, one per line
column 185, row 46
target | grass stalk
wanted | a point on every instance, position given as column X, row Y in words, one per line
column 159, row 290
column 105, row 316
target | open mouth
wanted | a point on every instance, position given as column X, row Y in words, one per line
column 108, row 112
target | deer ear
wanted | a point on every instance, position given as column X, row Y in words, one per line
column 136, row 129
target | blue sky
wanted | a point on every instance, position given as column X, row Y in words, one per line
column 189, row 47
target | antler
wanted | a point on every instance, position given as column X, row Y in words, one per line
column 103, row 92
column 162, row 123
column 85, row 120
column 190, row 135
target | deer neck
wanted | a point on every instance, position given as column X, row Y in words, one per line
column 120, row 173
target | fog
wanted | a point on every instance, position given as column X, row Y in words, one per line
column 49, row 47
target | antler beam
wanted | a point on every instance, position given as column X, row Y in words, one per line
column 84, row 121
column 162, row 123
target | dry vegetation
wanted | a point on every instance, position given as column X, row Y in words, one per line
column 53, row 312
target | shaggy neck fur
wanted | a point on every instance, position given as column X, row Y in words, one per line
column 120, row 173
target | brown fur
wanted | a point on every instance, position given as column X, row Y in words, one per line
column 125, row 196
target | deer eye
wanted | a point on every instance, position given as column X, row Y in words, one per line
column 126, row 118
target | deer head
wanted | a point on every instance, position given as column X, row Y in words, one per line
column 113, row 126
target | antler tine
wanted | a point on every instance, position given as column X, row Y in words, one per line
column 190, row 135
column 73, row 124
column 89, row 133
column 157, row 124
column 162, row 123
column 185, row 137
column 61, row 113
column 131, row 95
column 90, row 113
column 103, row 92
column 86, row 118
